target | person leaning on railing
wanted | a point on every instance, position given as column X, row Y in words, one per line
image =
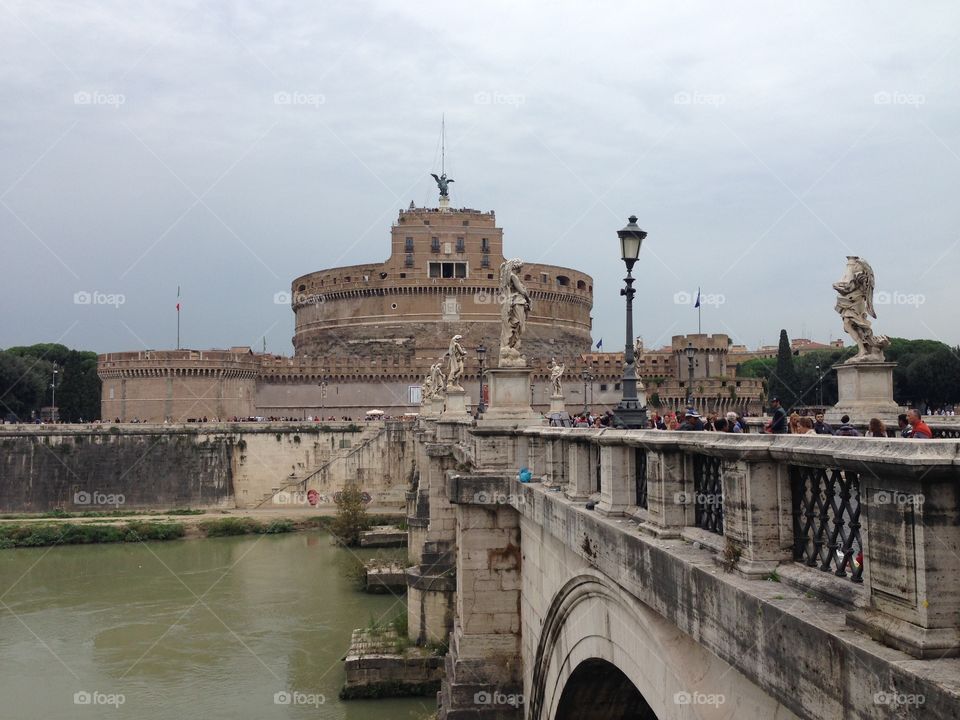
column 846, row 429
column 921, row 431
column 876, row 428
column 778, row 422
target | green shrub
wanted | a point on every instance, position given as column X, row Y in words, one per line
column 228, row 526
column 244, row 526
column 42, row 534
column 351, row 518
column 278, row 526
column 354, row 569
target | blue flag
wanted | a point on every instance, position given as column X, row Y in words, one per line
column 599, row 343
column 697, row 303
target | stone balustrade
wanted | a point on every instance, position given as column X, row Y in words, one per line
column 871, row 524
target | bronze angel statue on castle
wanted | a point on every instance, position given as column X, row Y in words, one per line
column 443, row 182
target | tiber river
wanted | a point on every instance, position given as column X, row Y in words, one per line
column 244, row 627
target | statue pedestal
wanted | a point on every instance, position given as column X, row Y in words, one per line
column 436, row 406
column 444, row 203
column 456, row 408
column 865, row 390
column 510, row 399
column 557, row 404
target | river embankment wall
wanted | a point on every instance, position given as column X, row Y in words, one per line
column 228, row 465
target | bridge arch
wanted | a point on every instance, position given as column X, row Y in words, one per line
column 599, row 690
column 641, row 663
column 578, row 641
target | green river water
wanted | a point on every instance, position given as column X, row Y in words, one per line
column 207, row 629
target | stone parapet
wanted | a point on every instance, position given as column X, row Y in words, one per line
column 888, row 521
column 795, row 640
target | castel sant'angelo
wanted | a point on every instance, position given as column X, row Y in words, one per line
column 366, row 335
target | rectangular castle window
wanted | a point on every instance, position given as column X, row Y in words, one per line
column 484, row 245
column 408, row 245
column 485, row 261
column 408, row 262
column 461, row 245
column 435, row 244
column 448, row 270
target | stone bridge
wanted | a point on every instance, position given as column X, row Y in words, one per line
column 646, row 574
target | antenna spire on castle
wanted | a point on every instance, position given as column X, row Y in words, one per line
column 443, row 182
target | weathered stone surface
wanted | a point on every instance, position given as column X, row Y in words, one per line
column 865, row 390
column 617, row 583
column 379, row 664
column 203, row 465
column 383, row 536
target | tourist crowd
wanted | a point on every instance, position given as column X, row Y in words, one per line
column 910, row 424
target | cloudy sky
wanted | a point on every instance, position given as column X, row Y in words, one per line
column 229, row 147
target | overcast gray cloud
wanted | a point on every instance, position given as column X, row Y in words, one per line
column 228, row 148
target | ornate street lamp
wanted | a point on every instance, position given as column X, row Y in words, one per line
column 481, row 354
column 586, row 377
column 690, row 351
column 630, row 413
column 323, row 394
column 53, row 395
column 819, row 388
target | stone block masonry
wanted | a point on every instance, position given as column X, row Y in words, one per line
column 131, row 467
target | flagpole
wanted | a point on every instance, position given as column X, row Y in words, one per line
column 178, row 317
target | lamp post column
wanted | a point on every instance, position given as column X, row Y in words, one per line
column 630, row 413
column 629, row 360
column 586, row 378
column 53, row 396
column 819, row 388
column 481, row 354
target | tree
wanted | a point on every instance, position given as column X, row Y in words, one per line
column 23, row 385
column 78, row 394
column 927, row 373
column 783, row 382
column 935, row 378
column 26, row 376
column 351, row 518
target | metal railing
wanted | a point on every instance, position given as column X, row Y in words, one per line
column 708, row 493
column 826, row 520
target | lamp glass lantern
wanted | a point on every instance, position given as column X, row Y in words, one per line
column 631, row 237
